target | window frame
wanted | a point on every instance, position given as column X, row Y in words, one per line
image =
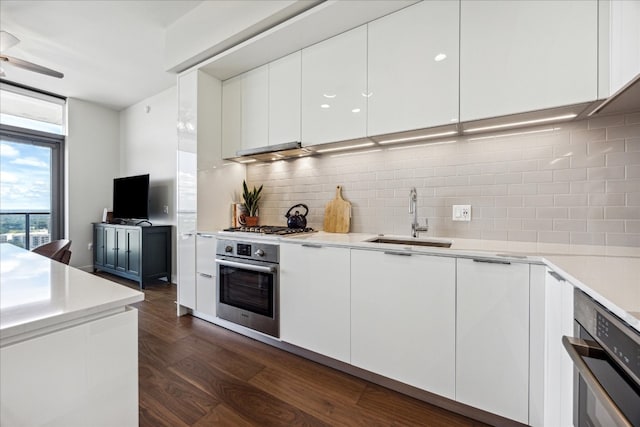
column 56, row 143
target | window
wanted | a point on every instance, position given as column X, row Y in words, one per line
column 31, row 167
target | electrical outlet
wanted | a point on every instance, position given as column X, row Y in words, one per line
column 461, row 213
column 90, row 246
column 165, row 209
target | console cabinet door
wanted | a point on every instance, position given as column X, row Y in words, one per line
column 492, row 337
column 98, row 246
column 526, row 55
column 133, row 251
column 413, row 68
column 334, row 88
column 403, row 318
column 111, row 246
column 314, row 299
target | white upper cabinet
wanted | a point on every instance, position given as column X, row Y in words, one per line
column 255, row 108
column 284, row 99
column 518, row 56
column 413, row 68
column 231, row 117
column 334, row 88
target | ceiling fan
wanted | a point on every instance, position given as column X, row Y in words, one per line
column 8, row 40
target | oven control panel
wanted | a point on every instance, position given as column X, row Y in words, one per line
column 249, row 250
column 625, row 348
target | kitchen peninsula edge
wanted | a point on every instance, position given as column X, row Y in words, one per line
column 62, row 329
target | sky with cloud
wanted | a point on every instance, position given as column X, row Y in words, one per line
column 25, row 176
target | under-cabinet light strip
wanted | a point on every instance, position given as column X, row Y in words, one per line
column 356, row 153
column 415, row 138
column 348, row 147
column 512, row 134
column 526, row 122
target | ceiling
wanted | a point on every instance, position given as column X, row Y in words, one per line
column 111, row 52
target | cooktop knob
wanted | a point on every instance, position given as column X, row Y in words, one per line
column 228, row 248
column 260, row 252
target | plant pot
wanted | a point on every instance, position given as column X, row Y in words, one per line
column 251, row 221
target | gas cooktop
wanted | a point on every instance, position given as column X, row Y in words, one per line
column 270, row 229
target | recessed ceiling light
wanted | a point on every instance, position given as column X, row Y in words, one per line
column 439, row 57
column 355, row 110
column 325, row 106
column 329, row 95
column 367, row 94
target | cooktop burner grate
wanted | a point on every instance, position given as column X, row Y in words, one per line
column 270, row 229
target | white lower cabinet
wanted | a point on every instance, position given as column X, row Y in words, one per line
column 84, row 375
column 492, row 337
column 314, row 298
column 206, row 274
column 403, row 318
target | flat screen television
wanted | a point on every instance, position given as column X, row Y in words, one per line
column 131, row 197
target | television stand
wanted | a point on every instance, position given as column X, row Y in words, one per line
column 135, row 252
column 143, row 221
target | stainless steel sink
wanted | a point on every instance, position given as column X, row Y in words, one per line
column 408, row 241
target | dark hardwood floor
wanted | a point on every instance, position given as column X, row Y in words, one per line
column 193, row 373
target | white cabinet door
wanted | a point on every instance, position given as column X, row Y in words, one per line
column 82, row 375
column 526, row 55
column 492, row 337
column 206, row 274
column 255, row 108
column 186, row 259
column 284, row 99
column 413, row 68
column 403, row 318
column 334, row 88
column 558, row 368
column 231, row 117
column 314, row 299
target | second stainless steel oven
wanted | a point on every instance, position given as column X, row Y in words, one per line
column 606, row 355
column 247, row 284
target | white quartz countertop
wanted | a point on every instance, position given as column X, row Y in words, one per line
column 609, row 274
column 37, row 293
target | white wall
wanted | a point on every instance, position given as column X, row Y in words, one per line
column 92, row 161
column 148, row 142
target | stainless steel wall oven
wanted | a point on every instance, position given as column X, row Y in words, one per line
column 606, row 357
column 247, row 290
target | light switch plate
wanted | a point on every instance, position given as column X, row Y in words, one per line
column 461, row 213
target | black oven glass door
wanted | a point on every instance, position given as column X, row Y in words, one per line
column 606, row 395
column 248, row 289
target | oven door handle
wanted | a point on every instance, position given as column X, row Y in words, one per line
column 576, row 348
column 251, row 267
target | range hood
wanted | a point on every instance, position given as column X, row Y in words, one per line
column 268, row 153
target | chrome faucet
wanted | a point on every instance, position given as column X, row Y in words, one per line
column 413, row 209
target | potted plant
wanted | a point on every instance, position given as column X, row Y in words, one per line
column 251, row 199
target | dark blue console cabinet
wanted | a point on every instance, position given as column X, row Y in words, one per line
column 140, row 253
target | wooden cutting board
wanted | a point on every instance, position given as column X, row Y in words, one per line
column 337, row 214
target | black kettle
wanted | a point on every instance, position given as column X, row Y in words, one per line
column 296, row 220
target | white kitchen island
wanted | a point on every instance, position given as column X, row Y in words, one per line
column 68, row 345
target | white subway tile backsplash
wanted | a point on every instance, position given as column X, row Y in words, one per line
column 607, row 199
column 586, row 213
column 628, row 131
column 616, row 172
column 576, row 182
column 621, row 212
column 632, row 118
